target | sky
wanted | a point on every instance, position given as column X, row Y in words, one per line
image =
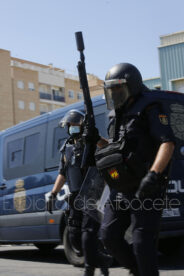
column 114, row 31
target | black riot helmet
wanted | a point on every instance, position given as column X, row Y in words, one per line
column 122, row 81
column 72, row 119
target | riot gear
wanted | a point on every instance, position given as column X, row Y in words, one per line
column 140, row 130
column 70, row 162
column 122, row 82
column 82, row 229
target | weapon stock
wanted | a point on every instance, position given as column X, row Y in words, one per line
column 86, row 93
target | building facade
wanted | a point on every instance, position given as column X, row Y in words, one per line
column 6, row 95
column 171, row 58
column 29, row 89
column 153, row 83
column 171, row 61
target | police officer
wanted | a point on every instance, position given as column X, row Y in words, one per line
column 148, row 148
column 70, row 171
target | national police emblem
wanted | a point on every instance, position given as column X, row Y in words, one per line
column 20, row 196
column 177, row 120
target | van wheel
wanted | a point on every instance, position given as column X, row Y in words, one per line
column 46, row 246
column 70, row 253
column 170, row 246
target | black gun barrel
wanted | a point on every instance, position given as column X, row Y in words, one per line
column 79, row 41
column 90, row 121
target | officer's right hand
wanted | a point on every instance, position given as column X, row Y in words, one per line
column 90, row 135
column 150, row 186
column 50, row 200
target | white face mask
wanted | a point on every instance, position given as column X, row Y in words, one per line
column 74, row 130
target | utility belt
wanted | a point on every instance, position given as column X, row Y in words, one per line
column 120, row 170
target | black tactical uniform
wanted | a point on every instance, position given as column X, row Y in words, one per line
column 142, row 128
column 83, row 230
column 145, row 223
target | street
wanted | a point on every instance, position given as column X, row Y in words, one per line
column 29, row 261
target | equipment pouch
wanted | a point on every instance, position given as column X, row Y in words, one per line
column 120, row 171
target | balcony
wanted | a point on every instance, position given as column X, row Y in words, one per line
column 59, row 98
column 45, row 96
column 52, row 97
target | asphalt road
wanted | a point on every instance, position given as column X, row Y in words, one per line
column 29, row 261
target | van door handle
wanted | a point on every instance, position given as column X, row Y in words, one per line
column 3, row 186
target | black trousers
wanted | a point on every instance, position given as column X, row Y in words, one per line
column 144, row 218
column 84, row 236
column 91, row 245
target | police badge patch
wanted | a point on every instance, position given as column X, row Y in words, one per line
column 163, row 119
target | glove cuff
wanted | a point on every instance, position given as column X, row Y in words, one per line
column 154, row 174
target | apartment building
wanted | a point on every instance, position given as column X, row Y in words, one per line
column 29, row 89
column 6, row 95
column 96, row 85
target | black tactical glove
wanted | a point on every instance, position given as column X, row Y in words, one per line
column 150, row 186
column 50, row 202
column 90, row 135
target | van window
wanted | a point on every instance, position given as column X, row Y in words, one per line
column 24, row 152
column 15, row 153
column 55, row 138
column 31, row 148
column 59, row 137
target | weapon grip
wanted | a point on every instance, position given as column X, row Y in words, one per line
column 79, row 41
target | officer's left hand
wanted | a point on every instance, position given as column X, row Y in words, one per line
column 50, row 200
column 149, row 186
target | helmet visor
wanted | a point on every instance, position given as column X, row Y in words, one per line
column 116, row 93
column 75, row 117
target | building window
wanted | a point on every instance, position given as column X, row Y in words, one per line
column 79, row 96
column 58, row 94
column 20, row 84
column 32, row 106
column 71, row 94
column 21, row 104
column 31, row 86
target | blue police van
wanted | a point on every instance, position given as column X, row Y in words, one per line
column 29, row 159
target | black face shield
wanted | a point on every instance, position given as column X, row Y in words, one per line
column 116, row 93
